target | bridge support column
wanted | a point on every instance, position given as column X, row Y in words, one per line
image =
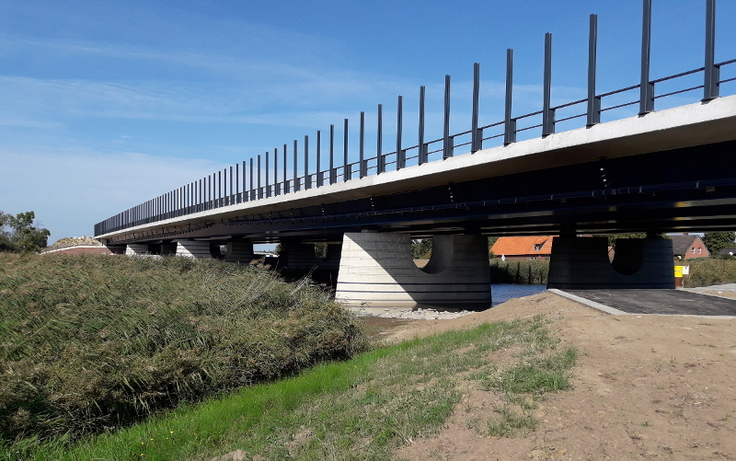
column 378, row 270
column 199, row 249
column 133, row 249
column 239, row 251
column 582, row 263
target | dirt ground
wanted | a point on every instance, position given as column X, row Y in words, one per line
column 645, row 387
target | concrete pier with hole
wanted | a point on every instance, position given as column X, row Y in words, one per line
column 377, row 270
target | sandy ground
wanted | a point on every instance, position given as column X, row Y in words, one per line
column 645, row 387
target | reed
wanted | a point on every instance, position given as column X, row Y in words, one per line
column 92, row 343
column 520, row 271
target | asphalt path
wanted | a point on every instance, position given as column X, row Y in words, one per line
column 663, row 302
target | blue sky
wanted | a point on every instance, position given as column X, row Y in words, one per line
column 106, row 104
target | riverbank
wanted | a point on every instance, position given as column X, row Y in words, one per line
column 644, row 387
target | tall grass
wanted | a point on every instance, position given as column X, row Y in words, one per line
column 361, row 409
column 709, row 271
column 520, row 271
column 90, row 343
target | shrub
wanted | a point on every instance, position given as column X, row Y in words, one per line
column 89, row 343
column 710, row 271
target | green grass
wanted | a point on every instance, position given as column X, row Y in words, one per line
column 360, row 409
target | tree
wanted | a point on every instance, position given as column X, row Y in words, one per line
column 421, row 248
column 716, row 241
column 17, row 233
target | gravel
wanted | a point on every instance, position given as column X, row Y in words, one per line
column 415, row 313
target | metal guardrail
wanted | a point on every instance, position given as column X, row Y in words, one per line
column 236, row 185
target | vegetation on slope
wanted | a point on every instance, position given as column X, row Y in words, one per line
column 90, row 343
column 361, row 409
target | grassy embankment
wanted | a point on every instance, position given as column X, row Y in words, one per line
column 361, row 409
column 358, row 409
column 90, row 344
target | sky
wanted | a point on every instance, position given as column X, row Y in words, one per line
column 106, row 104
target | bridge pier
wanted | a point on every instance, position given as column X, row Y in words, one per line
column 582, row 263
column 239, row 251
column 133, row 249
column 378, row 270
column 199, row 249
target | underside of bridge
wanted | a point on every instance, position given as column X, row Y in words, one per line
column 686, row 189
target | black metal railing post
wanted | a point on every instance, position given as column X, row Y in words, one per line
column 276, row 185
column 252, row 189
column 712, row 71
column 346, row 173
column 295, row 167
column 422, row 154
column 361, row 149
column 447, row 142
column 548, row 114
column 594, row 102
column 509, row 135
column 400, row 154
column 476, row 133
column 333, row 175
column 307, row 179
column 646, row 88
column 219, row 188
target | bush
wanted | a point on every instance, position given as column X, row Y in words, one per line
column 89, row 343
column 521, row 271
column 710, row 271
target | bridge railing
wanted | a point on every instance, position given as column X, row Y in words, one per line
column 261, row 177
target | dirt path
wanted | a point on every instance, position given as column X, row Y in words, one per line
column 645, row 387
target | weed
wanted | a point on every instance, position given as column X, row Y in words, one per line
column 510, row 423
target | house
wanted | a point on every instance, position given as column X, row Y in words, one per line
column 534, row 247
column 689, row 246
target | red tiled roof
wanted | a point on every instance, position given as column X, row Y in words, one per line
column 517, row 246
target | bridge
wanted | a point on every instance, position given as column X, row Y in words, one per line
column 660, row 171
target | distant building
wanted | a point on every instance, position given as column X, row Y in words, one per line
column 535, row 247
column 689, row 246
